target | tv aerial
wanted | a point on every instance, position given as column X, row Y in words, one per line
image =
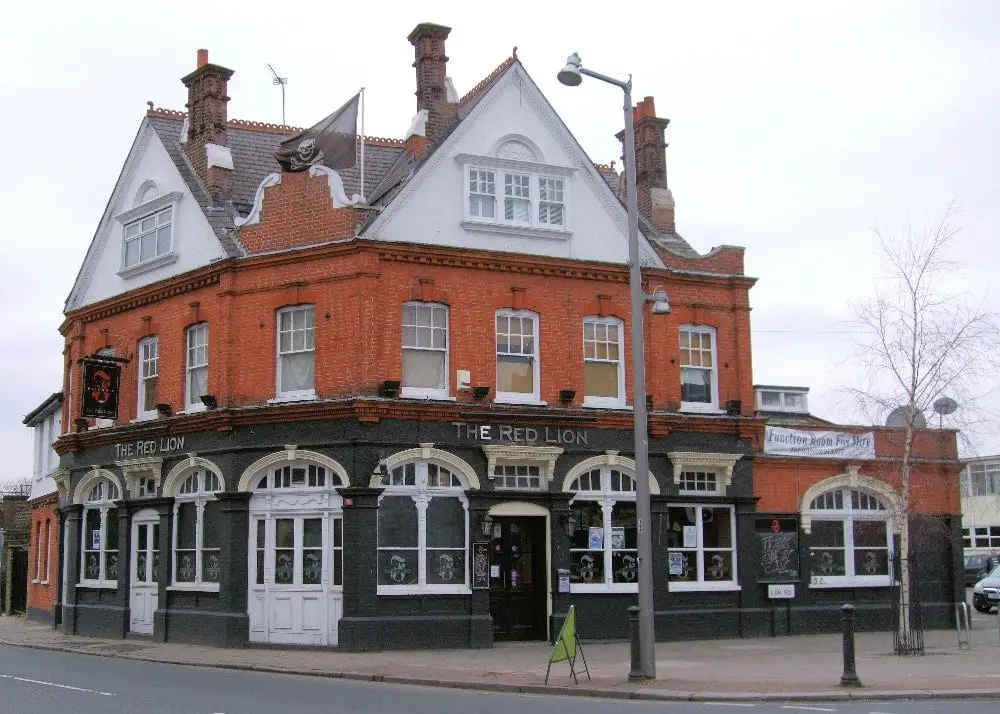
column 279, row 81
column 943, row 407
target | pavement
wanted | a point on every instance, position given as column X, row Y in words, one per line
column 787, row 668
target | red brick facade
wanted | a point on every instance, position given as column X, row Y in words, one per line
column 43, row 557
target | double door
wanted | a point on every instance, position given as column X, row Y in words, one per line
column 296, row 578
column 517, row 579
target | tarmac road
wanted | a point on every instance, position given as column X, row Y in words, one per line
column 42, row 682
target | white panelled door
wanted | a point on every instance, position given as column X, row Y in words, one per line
column 145, row 562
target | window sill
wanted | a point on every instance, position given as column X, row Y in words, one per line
column 147, row 265
column 293, row 397
column 194, row 587
column 439, row 395
column 44, row 582
column 98, row 585
column 193, row 409
column 35, row 581
column 697, row 408
column 148, row 416
column 850, row 582
column 703, row 587
column 576, row 588
column 530, row 401
column 597, row 403
column 560, row 234
column 423, row 590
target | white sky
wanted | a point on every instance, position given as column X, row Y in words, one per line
column 795, row 128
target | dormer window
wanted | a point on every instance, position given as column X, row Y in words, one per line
column 514, row 191
column 148, row 239
column 778, row 399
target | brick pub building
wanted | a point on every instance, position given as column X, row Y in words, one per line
column 397, row 412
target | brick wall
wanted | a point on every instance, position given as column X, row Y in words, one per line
column 358, row 289
column 43, row 567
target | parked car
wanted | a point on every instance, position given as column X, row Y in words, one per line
column 977, row 567
column 986, row 593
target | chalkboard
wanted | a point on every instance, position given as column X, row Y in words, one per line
column 778, row 549
column 480, row 566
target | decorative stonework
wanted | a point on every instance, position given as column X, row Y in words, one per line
column 253, row 218
column 338, row 194
column 612, row 459
column 426, row 451
column 291, row 453
column 689, row 460
column 134, row 469
column 544, row 456
column 181, row 469
column 853, row 480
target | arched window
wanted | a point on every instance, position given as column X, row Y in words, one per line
column 298, row 475
column 850, row 538
column 423, row 529
column 197, row 530
column 99, row 541
column 603, row 553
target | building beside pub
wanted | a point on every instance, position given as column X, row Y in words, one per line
column 981, row 505
column 389, row 404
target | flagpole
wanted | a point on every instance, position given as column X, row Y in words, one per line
column 361, row 183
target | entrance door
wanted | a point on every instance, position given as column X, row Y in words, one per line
column 296, row 579
column 518, row 590
column 145, row 563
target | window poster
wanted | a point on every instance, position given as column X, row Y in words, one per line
column 95, row 540
column 480, row 566
column 690, row 536
column 596, row 538
column 618, row 537
column 676, row 563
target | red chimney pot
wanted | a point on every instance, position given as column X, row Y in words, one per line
column 202, row 58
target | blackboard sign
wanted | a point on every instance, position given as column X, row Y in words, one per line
column 480, row 566
column 778, row 548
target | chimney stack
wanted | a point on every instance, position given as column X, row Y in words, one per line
column 207, row 145
column 652, row 193
column 431, row 64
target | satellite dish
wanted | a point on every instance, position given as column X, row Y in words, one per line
column 945, row 406
column 900, row 418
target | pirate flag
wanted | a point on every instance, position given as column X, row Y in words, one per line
column 332, row 142
column 100, row 389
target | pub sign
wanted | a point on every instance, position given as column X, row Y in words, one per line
column 100, row 389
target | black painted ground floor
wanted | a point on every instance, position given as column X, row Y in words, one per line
column 407, row 534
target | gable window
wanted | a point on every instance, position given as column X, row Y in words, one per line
column 99, row 551
column 423, row 530
column 699, row 375
column 197, row 530
column 517, row 356
column 603, row 544
column 701, row 543
column 517, row 198
column 425, row 350
column 149, row 370
column 850, row 539
column 197, row 365
column 148, row 238
column 482, row 194
column 296, row 352
column 550, row 201
column 603, row 366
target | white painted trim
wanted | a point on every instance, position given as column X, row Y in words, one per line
column 218, row 156
column 145, row 209
column 720, row 464
column 606, row 402
column 533, row 510
column 850, row 480
column 291, row 453
column 485, row 225
column 175, row 477
column 427, row 452
column 544, row 456
column 95, row 474
column 727, row 586
column 522, row 139
column 711, row 407
column 253, row 217
column 533, row 397
column 338, row 194
column 611, row 459
column 519, row 165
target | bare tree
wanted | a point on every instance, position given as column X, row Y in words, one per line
column 922, row 337
column 15, row 487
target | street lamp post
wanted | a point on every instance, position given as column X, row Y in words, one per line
column 571, row 75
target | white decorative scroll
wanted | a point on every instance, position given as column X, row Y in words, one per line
column 258, row 201
column 338, row 196
column 418, row 125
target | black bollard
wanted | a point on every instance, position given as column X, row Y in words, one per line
column 635, row 672
column 850, row 677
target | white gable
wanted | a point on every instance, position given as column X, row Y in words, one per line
column 149, row 184
column 512, row 130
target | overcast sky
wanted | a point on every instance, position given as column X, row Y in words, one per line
column 795, row 128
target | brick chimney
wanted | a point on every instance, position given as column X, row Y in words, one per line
column 207, row 146
column 652, row 194
column 431, row 64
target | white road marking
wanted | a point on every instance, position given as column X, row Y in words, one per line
column 53, row 684
column 808, row 709
column 727, row 704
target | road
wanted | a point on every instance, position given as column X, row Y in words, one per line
column 43, row 682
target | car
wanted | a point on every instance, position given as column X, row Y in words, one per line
column 977, row 566
column 986, row 593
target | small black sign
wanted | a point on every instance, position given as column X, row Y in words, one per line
column 778, row 546
column 100, row 389
column 480, row 566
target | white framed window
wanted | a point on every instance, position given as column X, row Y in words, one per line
column 197, row 531
column 513, row 476
column 149, row 370
column 38, row 551
column 296, row 373
column 850, row 540
column 148, row 238
column 981, row 479
column 425, row 350
column 699, row 369
column 99, row 537
column 701, row 547
column 781, row 400
column 510, row 195
column 603, row 547
column 46, row 547
column 703, row 482
column 423, row 530
column 196, row 382
column 603, row 362
column 517, row 356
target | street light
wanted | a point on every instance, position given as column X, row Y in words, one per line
column 571, row 75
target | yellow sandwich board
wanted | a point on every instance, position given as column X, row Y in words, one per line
column 568, row 647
